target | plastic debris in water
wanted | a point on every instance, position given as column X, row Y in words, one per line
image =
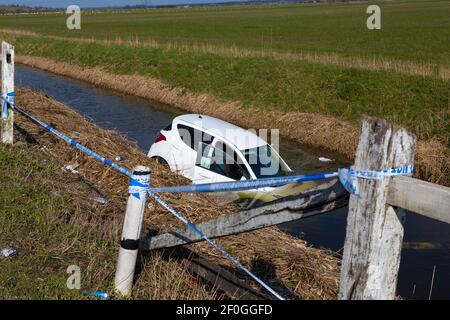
column 118, row 158
column 99, row 199
column 9, row 252
column 323, row 159
column 96, row 294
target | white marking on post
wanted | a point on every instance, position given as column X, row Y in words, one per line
column 7, row 133
column 132, row 225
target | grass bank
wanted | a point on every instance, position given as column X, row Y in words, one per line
column 46, row 213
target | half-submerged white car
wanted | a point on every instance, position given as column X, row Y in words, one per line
column 205, row 150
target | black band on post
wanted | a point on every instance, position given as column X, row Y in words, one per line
column 129, row 244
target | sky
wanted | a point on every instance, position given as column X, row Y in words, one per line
column 100, row 3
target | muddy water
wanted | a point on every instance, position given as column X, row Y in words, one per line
column 426, row 243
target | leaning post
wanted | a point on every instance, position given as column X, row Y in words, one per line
column 132, row 225
column 7, row 93
column 374, row 236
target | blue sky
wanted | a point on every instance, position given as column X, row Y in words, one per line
column 99, row 3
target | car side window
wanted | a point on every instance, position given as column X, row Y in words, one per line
column 221, row 160
column 187, row 135
column 193, row 137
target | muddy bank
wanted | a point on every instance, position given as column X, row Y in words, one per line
column 432, row 160
column 295, row 269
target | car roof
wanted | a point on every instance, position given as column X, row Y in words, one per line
column 239, row 137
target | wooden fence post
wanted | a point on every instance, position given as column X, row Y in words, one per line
column 374, row 236
column 131, row 232
column 7, row 91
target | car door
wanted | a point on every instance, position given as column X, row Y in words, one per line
column 222, row 162
column 205, row 152
column 183, row 151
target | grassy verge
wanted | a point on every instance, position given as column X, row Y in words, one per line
column 40, row 217
column 46, row 214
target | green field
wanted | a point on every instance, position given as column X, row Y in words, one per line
column 413, row 30
column 274, row 57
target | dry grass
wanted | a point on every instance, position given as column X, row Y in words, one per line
column 294, row 267
column 432, row 159
column 72, row 230
column 416, row 68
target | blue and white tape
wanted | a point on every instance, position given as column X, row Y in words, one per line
column 74, row 143
column 226, row 254
column 139, row 185
column 247, row 184
column 349, row 176
column 8, row 100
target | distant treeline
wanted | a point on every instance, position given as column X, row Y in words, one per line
column 23, row 9
column 10, row 9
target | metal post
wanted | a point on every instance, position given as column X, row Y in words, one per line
column 129, row 244
column 7, row 92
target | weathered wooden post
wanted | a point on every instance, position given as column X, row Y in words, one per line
column 7, row 92
column 374, row 237
column 131, row 232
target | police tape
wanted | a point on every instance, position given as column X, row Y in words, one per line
column 349, row 176
column 212, row 243
column 138, row 186
column 8, row 100
column 246, row 184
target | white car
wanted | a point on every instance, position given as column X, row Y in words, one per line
column 205, row 149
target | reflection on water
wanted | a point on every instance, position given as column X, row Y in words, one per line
column 140, row 120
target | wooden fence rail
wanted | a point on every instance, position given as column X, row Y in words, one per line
column 428, row 199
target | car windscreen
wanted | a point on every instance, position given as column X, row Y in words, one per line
column 264, row 162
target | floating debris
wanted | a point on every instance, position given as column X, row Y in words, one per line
column 421, row 245
column 9, row 252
